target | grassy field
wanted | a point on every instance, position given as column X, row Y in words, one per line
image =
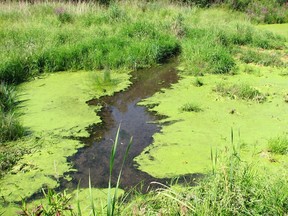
column 233, row 74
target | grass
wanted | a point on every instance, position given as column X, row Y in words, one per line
column 240, row 91
column 53, row 36
column 235, row 188
column 8, row 98
column 198, row 82
column 261, row 58
column 10, row 127
column 109, row 37
column 189, row 107
column 278, row 145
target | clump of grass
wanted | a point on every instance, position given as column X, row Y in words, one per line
column 178, row 28
column 10, row 127
column 189, row 107
column 8, row 98
column 202, row 55
column 9, row 155
column 240, row 91
column 198, row 82
column 250, row 69
column 234, row 188
column 58, row 204
column 278, row 145
column 63, row 16
column 266, row 59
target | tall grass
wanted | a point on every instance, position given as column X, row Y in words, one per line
column 240, row 91
column 10, row 128
column 265, row 59
column 68, row 39
column 235, row 187
column 278, row 145
column 50, row 37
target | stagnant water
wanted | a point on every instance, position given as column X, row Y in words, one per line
column 136, row 121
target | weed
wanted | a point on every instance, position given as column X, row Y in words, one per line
column 63, row 16
column 9, row 155
column 278, row 145
column 8, row 98
column 240, row 91
column 198, row 82
column 112, row 198
column 233, row 188
column 251, row 70
column 178, row 28
column 58, row 204
column 189, row 107
column 11, row 129
column 265, row 59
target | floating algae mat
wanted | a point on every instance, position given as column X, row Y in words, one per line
column 201, row 120
column 54, row 109
column 184, row 145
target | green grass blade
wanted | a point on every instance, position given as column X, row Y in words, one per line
column 120, row 173
column 79, row 213
column 91, row 197
column 112, row 158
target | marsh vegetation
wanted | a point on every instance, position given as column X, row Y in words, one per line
column 57, row 56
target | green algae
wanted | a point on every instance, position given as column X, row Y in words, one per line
column 184, row 145
column 41, row 168
column 99, row 199
column 57, row 103
column 54, row 108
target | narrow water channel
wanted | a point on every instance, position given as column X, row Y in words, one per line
column 135, row 121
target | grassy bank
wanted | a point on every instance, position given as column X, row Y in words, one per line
column 233, row 186
column 230, row 71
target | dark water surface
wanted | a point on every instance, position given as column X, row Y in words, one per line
column 135, row 121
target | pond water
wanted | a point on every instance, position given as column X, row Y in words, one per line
column 121, row 108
